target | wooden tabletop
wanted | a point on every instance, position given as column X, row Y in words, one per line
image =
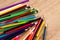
column 50, row 9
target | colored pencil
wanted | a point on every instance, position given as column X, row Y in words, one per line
column 44, row 35
column 23, row 19
column 25, row 35
column 18, row 16
column 4, row 36
column 35, row 30
column 15, row 29
column 27, row 13
column 14, row 15
column 13, row 5
column 19, row 36
column 20, row 23
column 10, row 9
column 39, row 30
column 10, row 26
column 6, row 22
column 13, row 34
column 14, row 11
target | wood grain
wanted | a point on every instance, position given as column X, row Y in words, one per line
column 50, row 9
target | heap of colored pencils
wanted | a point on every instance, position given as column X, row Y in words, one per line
column 20, row 22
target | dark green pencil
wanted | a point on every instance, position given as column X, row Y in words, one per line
column 44, row 35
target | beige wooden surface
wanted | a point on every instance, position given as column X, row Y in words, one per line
column 48, row 8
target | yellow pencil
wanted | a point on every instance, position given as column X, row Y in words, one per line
column 39, row 31
column 10, row 9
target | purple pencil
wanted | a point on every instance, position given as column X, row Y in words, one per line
column 14, row 5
